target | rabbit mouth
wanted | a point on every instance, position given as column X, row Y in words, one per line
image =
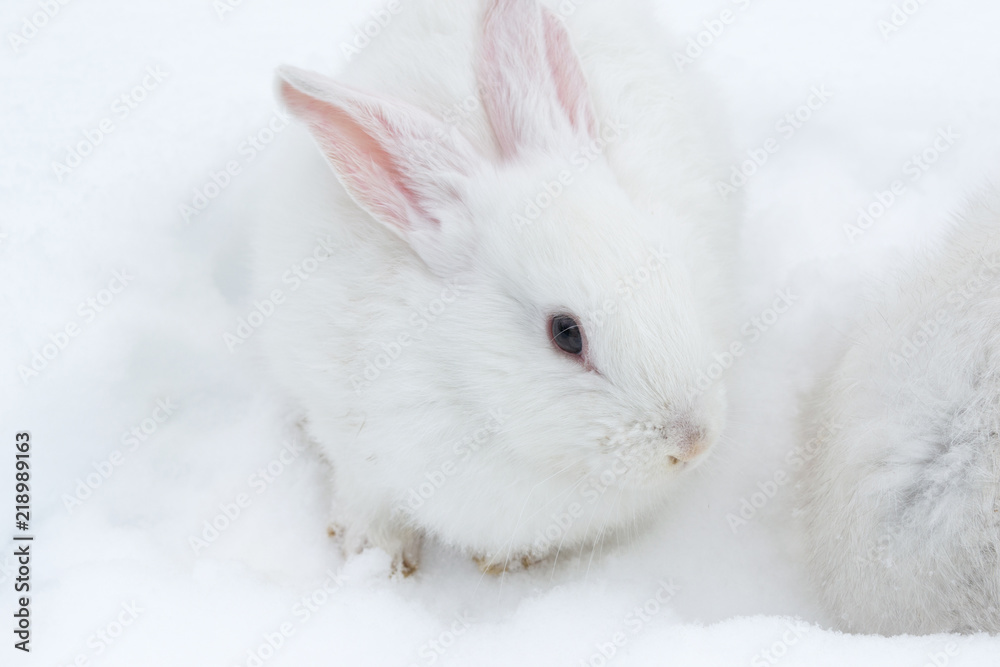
column 650, row 449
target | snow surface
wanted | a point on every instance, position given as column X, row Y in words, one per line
column 732, row 594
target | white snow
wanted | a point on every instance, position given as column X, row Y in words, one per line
column 124, row 552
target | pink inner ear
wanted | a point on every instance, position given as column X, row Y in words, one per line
column 534, row 90
column 363, row 163
column 511, row 72
column 571, row 86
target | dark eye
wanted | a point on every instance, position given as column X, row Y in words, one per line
column 566, row 334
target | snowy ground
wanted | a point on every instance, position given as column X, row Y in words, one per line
column 698, row 590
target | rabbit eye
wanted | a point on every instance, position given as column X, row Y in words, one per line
column 566, row 334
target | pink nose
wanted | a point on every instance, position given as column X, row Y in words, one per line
column 690, row 442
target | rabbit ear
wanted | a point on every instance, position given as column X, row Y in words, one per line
column 400, row 164
column 533, row 86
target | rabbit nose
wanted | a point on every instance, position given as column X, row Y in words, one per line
column 688, row 442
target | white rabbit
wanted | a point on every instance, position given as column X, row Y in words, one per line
column 511, row 271
column 901, row 493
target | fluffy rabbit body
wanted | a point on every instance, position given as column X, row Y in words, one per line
column 901, row 496
column 484, row 167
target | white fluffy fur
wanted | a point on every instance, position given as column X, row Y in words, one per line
column 563, row 424
column 901, row 499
